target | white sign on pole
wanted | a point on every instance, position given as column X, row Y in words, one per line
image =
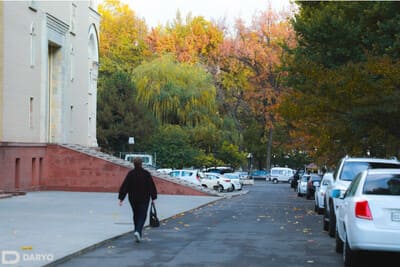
column 131, row 140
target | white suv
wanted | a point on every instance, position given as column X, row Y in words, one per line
column 192, row 176
column 342, row 177
column 281, row 174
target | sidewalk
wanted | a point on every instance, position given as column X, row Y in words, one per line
column 42, row 227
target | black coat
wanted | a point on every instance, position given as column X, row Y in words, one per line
column 139, row 185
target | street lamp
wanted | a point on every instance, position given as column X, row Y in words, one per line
column 249, row 158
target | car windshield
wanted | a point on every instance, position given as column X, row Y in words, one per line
column 352, row 168
column 231, row 176
column 305, row 178
column 315, row 178
column 382, row 184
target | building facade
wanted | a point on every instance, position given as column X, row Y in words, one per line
column 48, row 72
column 48, row 84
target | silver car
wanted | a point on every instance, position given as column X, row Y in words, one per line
column 319, row 196
column 235, row 180
column 302, row 185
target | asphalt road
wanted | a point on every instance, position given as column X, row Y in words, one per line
column 269, row 226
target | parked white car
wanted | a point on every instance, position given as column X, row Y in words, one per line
column 281, row 174
column 192, row 176
column 164, row 170
column 245, row 178
column 368, row 218
column 347, row 169
column 319, row 196
column 235, row 180
column 216, row 181
column 302, row 185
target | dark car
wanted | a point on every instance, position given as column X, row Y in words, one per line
column 299, row 173
column 259, row 174
column 219, row 170
column 312, row 183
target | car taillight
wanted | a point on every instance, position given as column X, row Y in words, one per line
column 362, row 210
column 227, row 181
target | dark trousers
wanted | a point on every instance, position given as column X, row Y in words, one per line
column 139, row 215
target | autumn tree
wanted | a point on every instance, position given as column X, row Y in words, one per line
column 191, row 40
column 250, row 72
column 122, row 38
column 343, row 74
column 122, row 48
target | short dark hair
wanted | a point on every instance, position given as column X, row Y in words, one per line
column 137, row 162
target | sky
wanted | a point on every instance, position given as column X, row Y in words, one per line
column 160, row 11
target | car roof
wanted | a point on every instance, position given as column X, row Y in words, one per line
column 384, row 171
column 372, row 160
column 212, row 173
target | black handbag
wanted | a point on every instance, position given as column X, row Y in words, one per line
column 154, row 221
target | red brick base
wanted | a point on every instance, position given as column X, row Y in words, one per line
column 30, row 167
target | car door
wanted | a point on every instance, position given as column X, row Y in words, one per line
column 345, row 208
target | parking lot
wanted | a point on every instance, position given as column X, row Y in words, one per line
column 268, row 226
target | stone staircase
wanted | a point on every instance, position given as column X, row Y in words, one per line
column 6, row 194
column 118, row 161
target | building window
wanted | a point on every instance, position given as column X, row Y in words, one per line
column 71, row 119
column 90, row 126
column 72, row 24
column 33, row 44
column 33, row 182
column 17, row 173
column 31, row 112
column 40, row 171
column 72, row 62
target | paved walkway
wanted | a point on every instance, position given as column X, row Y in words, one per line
column 42, row 227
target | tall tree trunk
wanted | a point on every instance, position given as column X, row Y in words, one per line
column 269, row 148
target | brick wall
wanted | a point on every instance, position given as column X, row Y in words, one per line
column 52, row 167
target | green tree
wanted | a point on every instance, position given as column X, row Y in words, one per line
column 120, row 116
column 172, row 146
column 176, row 93
column 230, row 155
column 343, row 75
column 333, row 33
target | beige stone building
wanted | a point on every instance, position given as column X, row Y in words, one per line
column 48, row 72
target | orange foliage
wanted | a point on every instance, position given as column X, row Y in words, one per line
column 257, row 51
column 191, row 41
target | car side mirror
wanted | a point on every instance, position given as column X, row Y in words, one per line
column 336, row 193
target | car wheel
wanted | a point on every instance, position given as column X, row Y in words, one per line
column 325, row 221
column 350, row 257
column 230, row 189
column 320, row 210
column 220, row 189
column 339, row 243
column 332, row 221
column 275, row 181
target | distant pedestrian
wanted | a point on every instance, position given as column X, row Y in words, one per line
column 140, row 187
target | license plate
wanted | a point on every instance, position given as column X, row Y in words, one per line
column 396, row 216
